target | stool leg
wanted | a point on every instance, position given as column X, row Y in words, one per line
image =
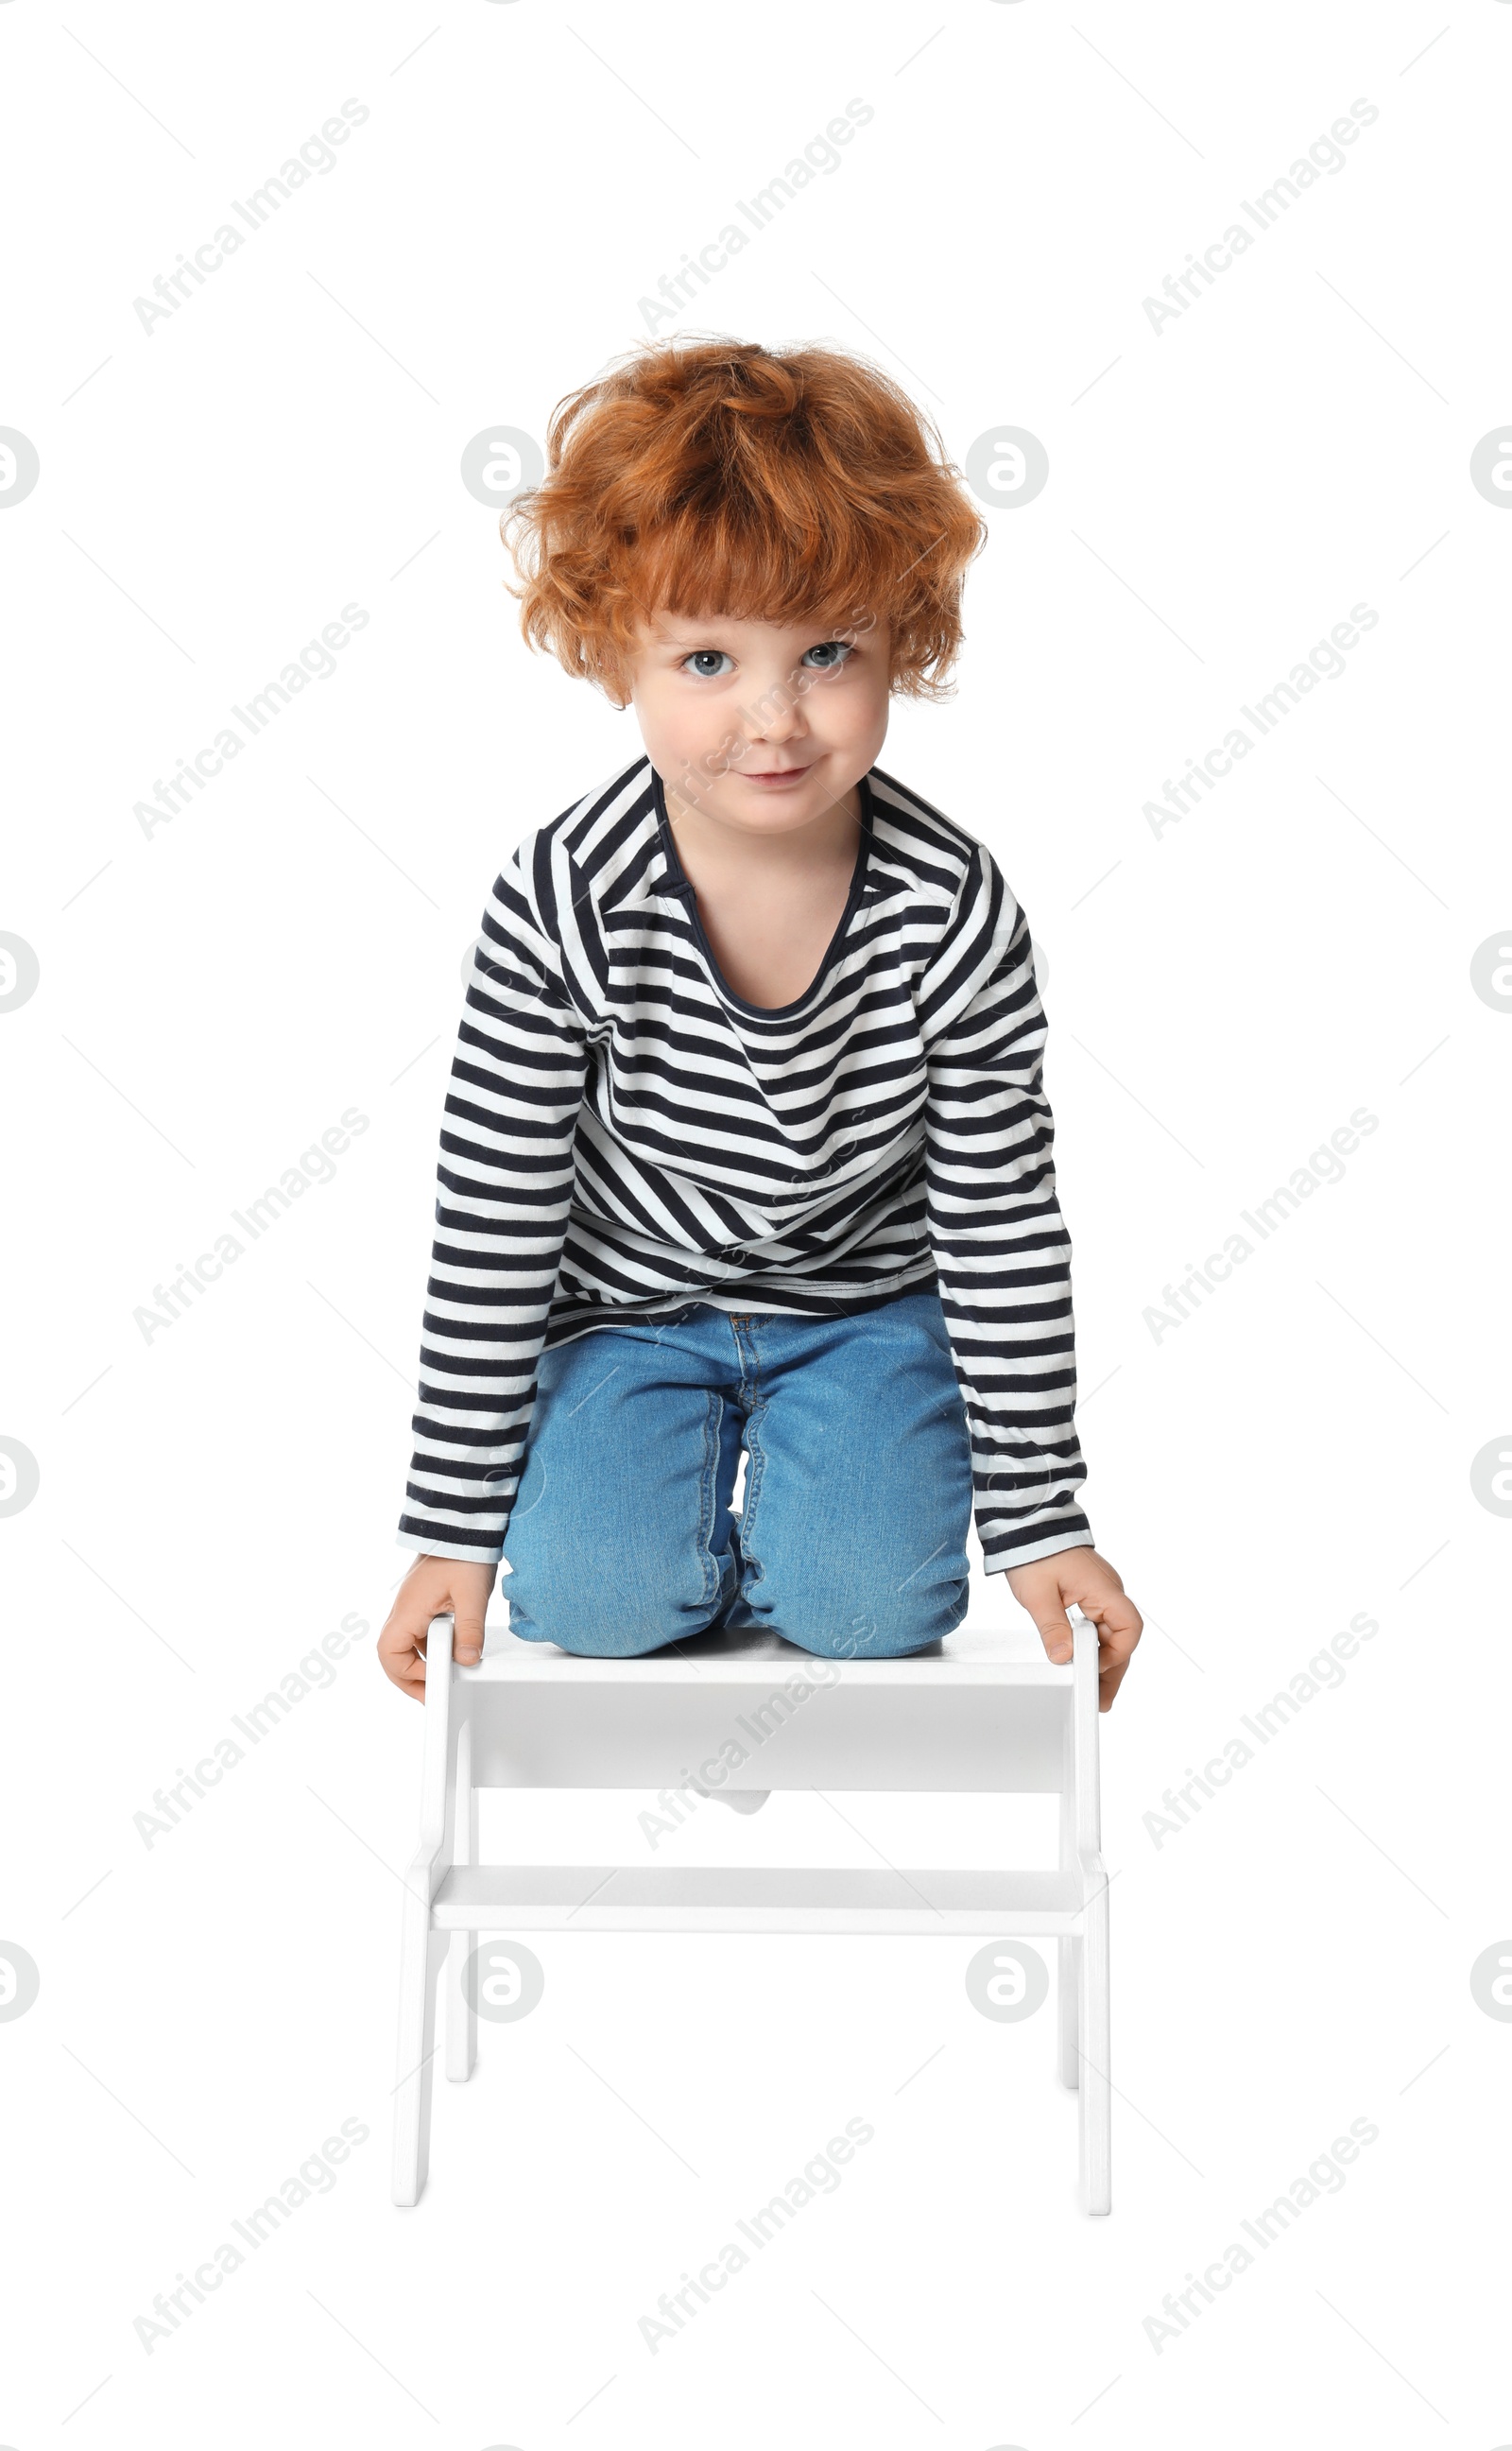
column 1068, row 1990
column 461, row 2019
column 420, row 1967
column 1096, row 2093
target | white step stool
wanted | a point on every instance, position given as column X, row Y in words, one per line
column 972, row 1715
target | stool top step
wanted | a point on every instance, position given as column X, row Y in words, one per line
column 974, row 1655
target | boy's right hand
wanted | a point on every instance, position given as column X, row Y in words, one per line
column 432, row 1586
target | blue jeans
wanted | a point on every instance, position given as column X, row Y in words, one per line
column 851, row 1540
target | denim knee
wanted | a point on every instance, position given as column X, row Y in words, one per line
column 842, row 1623
column 617, row 1621
column 605, row 1635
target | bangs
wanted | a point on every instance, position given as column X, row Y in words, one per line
column 715, row 477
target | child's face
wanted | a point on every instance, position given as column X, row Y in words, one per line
column 724, row 704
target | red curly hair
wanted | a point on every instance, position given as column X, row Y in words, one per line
column 712, row 475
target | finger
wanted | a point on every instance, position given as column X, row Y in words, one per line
column 467, row 1637
column 409, row 1680
column 1055, row 1633
column 1116, row 1612
column 1109, row 1677
column 1120, row 1626
column 402, row 1654
column 1117, row 1633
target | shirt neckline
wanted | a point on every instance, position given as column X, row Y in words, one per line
column 678, row 882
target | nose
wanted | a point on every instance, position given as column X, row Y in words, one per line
column 778, row 714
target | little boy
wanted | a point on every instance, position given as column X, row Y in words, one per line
column 746, row 1142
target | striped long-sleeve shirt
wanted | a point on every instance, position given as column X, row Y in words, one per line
column 622, row 1134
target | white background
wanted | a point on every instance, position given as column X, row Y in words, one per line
column 214, row 994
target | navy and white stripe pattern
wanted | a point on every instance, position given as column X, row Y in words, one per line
column 624, row 1135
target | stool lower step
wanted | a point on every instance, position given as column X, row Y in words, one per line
column 585, row 1897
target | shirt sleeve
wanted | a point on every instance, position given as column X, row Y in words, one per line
column 504, row 1181
column 1001, row 1250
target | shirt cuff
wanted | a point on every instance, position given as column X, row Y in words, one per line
column 1049, row 1544
column 430, row 1548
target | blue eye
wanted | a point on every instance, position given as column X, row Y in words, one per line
column 702, row 658
column 836, row 652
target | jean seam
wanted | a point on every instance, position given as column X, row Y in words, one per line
column 752, row 1570
column 708, row 1494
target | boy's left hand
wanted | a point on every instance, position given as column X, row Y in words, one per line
column 1047, row 1587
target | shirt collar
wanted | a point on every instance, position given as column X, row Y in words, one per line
column 664, row 872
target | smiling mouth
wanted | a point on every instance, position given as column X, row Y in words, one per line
column 773, row 774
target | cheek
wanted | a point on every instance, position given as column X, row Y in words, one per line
column 693, row 715
column 863, row 710
column 681, row 725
